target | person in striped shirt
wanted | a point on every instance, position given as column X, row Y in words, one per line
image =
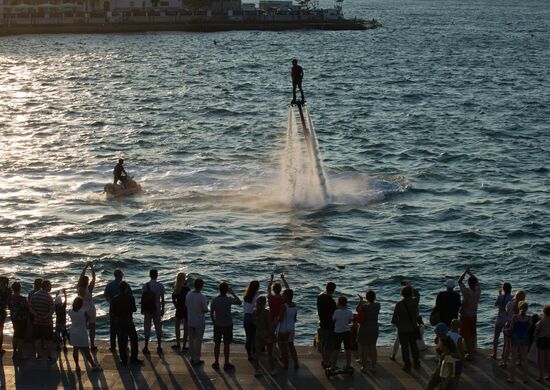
column 42, row 308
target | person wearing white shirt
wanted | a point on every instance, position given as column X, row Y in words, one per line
column 342, row 331
column 197, row 307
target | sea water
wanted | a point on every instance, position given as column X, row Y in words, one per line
column 433, row 131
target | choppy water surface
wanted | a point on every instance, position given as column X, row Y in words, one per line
column 434, row 132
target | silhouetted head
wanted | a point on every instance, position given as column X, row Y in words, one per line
column 546, row 310
column 294, row 62
column 251, row 290
column 441, row 329
column 82, row 282
column 37, row 283
column 330, row 288
column 16, row 287
column 276, row 288
column 77, row 304
column 507, row 288
column 520, row 296
column 180, row 282
column 118, row 273
column 523, row 306
column 407, row 291
column 46, row 285
column 260, row 303
column 199, row 283
column 154, row 274
column 223, row 288
column 342, row 301
column 472, row 282
column 288, row 294
column 120, row 161
column 371, row 296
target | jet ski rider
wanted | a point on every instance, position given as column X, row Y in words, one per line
column 120, row 174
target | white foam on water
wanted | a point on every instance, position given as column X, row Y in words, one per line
column 303, row 180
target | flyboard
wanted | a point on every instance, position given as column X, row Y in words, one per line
column 312, row 145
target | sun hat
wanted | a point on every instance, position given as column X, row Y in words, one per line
column 450, row 283
column 441, row 328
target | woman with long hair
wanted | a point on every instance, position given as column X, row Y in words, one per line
column 79, row 335
column 19, row 313
column 520, row 341
column 251, row 293
column 178, row 298
column 286, row 329
column 504, row 296
column 368, row 329
column 85, row 289
column 512, row 308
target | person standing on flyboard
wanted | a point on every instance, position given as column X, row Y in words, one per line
column 297, row 74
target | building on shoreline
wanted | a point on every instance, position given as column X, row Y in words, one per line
column 63, row 12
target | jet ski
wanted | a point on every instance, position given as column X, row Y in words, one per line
column 117, row 190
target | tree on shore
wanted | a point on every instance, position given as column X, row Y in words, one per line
column 306, row 4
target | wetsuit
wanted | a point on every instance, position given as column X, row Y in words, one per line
column 297, row 75
column 118, row 174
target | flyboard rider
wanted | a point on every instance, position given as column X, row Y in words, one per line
column 297, row 74
column 120, row 174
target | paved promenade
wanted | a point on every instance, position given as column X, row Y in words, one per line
column 173, row 371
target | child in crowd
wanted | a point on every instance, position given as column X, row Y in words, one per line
column 459, row 344
column 264, row 336
column 520, row 341
column 534, row 321
column 286, row 329
column 342, row 331
column 444, row 376
column 447, row 371
column 61, row 319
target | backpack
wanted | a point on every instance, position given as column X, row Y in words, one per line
column 148, row 298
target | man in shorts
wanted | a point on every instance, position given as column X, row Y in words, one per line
column 220, row 311
column 156, row 315
column 42, row 307
column 197, row 307
column 325, row 309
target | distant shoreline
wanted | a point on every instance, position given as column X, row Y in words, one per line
column 108, row 28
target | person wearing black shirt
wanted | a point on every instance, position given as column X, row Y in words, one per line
column 119, row 173
column 297, row 74
column 122, row 308
column 325, row 309
column 448, row 303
